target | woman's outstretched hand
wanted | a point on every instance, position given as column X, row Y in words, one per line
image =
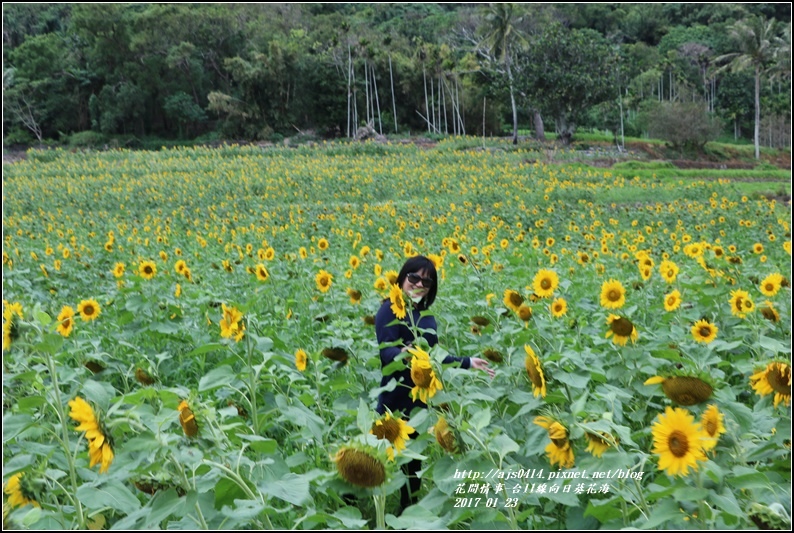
column 482, row 364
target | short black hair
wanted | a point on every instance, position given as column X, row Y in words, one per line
column 416, row 264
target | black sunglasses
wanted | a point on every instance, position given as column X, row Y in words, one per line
column 416, row 278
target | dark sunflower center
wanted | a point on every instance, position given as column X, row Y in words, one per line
column 361, row 469
column 516, row 299
column 622, row 326
column 534, row 374
column 779, row 379
column 670, row 273
column 671, row 300
column 545, row 284
column 387, row 429
column 560, row 443
column 705, row 331
column 613, row 295
column 711, row 427
column 769, row 314
column 422, row 376
column 678, row 443
column 88, row 310
column 769, row 287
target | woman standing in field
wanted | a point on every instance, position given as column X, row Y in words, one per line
column 396, row 335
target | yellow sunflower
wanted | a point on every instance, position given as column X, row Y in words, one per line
column 535, row 372
column 704, row 331
column 261, row 272
column 678, row 440
column 355, row 296
column 597, row 444
column 19, row 492
column 771, row 284
column 712, row 422
column 323, row 280
column 354, row 261
column 672, row 301
column 559, row 450
column 524, row 313
column 775, row 378
column 397, row 301
column 395, row 430
column 147, row 269
column 88, row 309
column 118, row 270
column 180, row 266
column 230, row 324
column 621, row 329
column 559, row 307
column 65, row 321
column 445, row 436
column 545, row 283
column 187, row 419
column 300, row 360
column 758, row 248
column 426, row 383
column 613, row 295
column 513, row 300
column 322, row 244
column 100, row 447
column 741, row 304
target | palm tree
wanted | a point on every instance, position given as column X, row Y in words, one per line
column 501, row 37
column 758, row 41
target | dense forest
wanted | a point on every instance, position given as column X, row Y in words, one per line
column 91, row 73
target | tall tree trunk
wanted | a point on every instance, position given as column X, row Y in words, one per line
column 377, row 100
column 513, row 102
column 393, row 100
column 349, row 88
column 757, row 111
column 427, row 107
column 540, row 132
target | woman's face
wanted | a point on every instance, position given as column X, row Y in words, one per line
column 417, row 284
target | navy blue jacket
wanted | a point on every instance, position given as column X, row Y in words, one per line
column 400, row 398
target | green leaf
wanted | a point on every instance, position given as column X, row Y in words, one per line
column 291, row 488
column 204, row 349
column 13, row 425
column 502, row 444
column 217, row 377
column 604, row 510
column 226, row 491
column 480, row 418
column 773, row 345
column 260, row 444
column 111, row 494
column 576, row 381
column 667, row 510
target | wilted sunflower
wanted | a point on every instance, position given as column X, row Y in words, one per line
column 678, row 440
column 336, row 354
column 559, row 307
column 88, row 309
column 771, row 284
column 493, row 355
column 100, row 447
column 704, row 331
column 355, row 296
column 672, row 301
column 426, row 383
column 368, row 320
column 711, row 420
column 613, row 295
column 741, row 304
column 147, row 269
column 545, row 283
column 143, row 377
column 187, row 419
column 513, row 300
column 535, row 372
column 769, row 312
column 684, row 390
column 445, row 436
column 261, row 272
column 481, row 321
column 621, row 329
column 300, row 360
column 360, row 467
column 323, row 280
column 395, row 430
column 775, row 378
column 20, row 492
column 559, row 451
column 65, row 321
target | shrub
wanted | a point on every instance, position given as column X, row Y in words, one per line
column 87, row 139
column 683, row 125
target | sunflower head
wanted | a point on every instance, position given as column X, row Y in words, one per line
column 684, row 390
column 613, row 295
column 339, row 355
column 361, row 466
column 187, row 419
column 481, row 321
column 704, row 331
column 535, row 372
column 21, row 491
column 493, row 355
column 774, row 379
column 621, row 329
column 445, row 435
column 143, row 377
column 395, row 430
column 678, row 440
column 597, row 444
column 545, row 283
column 513, row 299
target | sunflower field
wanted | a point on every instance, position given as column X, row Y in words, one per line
column 188, row 343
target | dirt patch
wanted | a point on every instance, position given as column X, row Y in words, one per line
column 722, row 165
column 14, row 156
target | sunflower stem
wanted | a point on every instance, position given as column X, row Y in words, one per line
column 380, row 509
column 252, row 385
column 65, row 436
